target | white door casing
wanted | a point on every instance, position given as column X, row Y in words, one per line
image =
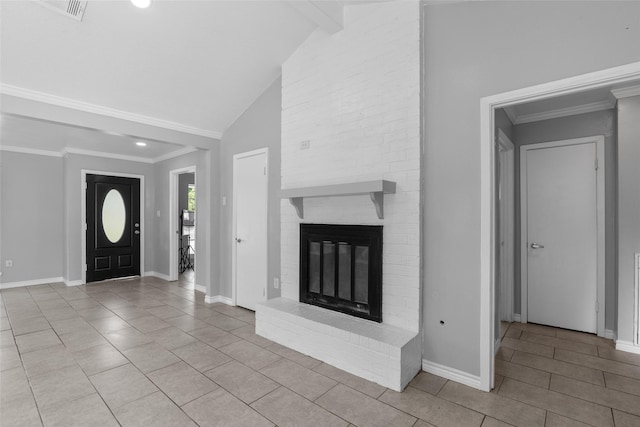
column 250, row 234
column 562, row 234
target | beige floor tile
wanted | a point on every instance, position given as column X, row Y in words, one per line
column 21, row 412
column 226, row 323
column 250, row 354
column 59, row 313
column 560, row 343
column 127, row 338
column 294, row 356
column 600, row 395
column 4, row 323
column 37, row 340
column 522, row 373
column 606, row 365
column 419, row 423
column 505, row 353
column 221, row 409
column 49, row 359
column 60, row 386
column 122, row 385
column 582, row 373
column 155, row 410
column 357, row 383
column 93, row 313
column 242, row 381
column 360, row 409
column 187, row 323
column 149, row 357
column 287, row 409
column 514, row 331
column 149, row 323
column 98, row 359
column 9, row 358
column 130, row 312
column 623, row 419
column 607, row 352
column 248, row 333
column 86, row 411
column 428, row 382
column 528, row 347
column 7, row 339
column 14, row 385
column 215, row 337
column 617, row 382
column 555, row 420
column 540, row 329
column 109, row 324
column 492, row 422
column 496, row 406
column 165, row 312
column 171, row 338
column 31, row 324
column 63, row 326
column 497, row 382
column 82, row 339
column 182, row 383
column 201, row 356
column 581, row 337
column 303, row 381
column 559, row 403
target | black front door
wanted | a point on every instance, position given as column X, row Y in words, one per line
column 113, row 227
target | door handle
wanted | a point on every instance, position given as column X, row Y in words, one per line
column 239, row 240
column 537, row 246
column 137, row 232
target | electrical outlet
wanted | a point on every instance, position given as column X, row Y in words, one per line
column 276, row 283
column 8, row 263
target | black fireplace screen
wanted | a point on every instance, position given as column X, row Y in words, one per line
column 341, row 268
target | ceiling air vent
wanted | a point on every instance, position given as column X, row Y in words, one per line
column 71, row 8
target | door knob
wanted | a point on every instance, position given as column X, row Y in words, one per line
column 137, row 232
column 238, row 239
column 537, row 246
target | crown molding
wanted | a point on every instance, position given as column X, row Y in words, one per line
column 564, row 112
column 46, row 98
column 626, row 92
column 173, row 154
column 35, row 151
column 70, row 150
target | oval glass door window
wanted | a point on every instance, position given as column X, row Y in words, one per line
column 113, row 215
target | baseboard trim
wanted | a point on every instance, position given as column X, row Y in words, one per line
column 156, row 274
column 73, row 282
column 33, row 282
column 516, row 317
column 627, row 346
column 218, row 298
column 609, row 334
column 451, row 374
column 200, row 288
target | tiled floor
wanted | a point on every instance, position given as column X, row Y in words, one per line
column 145, row 352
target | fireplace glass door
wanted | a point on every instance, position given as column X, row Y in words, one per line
column 341, row 268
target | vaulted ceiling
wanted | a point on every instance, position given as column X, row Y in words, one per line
column 189, row 65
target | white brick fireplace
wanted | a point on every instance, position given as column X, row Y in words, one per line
column 351, row 113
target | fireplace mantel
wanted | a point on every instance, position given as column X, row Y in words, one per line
column 375, row 189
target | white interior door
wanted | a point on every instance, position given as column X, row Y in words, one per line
column 562, row 236
column 250, row 230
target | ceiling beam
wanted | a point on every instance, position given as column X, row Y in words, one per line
column 327, row 15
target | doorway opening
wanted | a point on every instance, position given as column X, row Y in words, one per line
column 183, row 226
column 489, row 304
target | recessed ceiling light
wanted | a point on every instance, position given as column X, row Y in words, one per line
column 142, row 4
column 141, row 144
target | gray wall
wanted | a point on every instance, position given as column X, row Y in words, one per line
column 472, row 50
column 628, row 210
column 257, row 127
column 184, row 180
column 31, row 218
column 73, row 166
column 597, row 123
column 162, row 230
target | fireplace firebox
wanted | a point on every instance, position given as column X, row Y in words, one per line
column 341, row 268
